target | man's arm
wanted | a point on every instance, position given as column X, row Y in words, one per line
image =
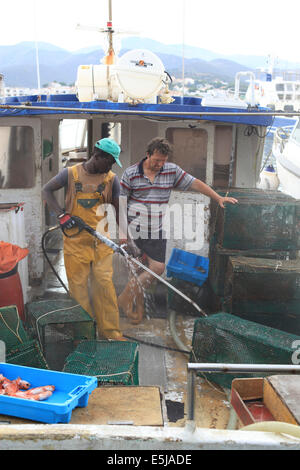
column 56, row 183
column 200, row 187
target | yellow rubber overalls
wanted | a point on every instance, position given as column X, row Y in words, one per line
column 88, row 261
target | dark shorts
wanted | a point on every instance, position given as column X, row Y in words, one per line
column 155, row 249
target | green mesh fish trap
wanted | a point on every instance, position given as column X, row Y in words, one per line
column 219, row 259
column 112, row 362
column 266, row 287
column 27, row 354
column 20, row 349
column 225, row 338
column 59, row 325
column 257, row 222
column 12, row 330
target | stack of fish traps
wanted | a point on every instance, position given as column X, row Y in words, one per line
column 255, row 278
column 254, row 268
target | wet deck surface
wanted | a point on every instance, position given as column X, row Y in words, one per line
column 211, row 403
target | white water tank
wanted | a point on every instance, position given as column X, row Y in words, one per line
column 137, row 75
column 140, row 74
column 97, row 82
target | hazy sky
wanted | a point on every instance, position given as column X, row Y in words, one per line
column 258, row 27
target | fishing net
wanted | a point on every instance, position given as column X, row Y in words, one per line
column 12, row 331
column 265, row 220
column 112, row 362
column 27, row 354
column 225, row 338
column 59, row 325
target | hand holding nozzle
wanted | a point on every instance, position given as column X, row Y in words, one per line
column 130, row 247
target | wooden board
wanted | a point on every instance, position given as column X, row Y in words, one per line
column 282, row 397
column 140, row 406
column 244, row 392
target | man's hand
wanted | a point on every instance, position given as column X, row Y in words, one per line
column 231, row 200
column 130, row 247
column 66, row 221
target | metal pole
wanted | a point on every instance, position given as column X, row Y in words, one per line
column 190, row 395
column 138, row 111
column 243, row 368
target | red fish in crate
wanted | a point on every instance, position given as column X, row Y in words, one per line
column 21, row 389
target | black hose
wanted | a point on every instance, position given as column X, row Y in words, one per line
column 157, row 345
column 47, row 258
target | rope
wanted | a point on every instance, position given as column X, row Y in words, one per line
column 16, row 333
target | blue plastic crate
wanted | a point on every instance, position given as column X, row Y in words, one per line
column 188, row 266
column 71, row 391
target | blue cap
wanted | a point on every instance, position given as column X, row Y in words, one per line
column 111, row 147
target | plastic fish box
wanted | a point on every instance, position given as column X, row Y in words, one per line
column 71, row 391
column 188, row 266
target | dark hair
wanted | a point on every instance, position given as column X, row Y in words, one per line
column 160, row 145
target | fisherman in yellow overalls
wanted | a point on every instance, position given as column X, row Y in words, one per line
column 88, row 261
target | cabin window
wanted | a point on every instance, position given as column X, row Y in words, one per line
column 190, row 150
column 73, row 134
column 296, row 133
column 280, row 87
column 17, row 167
column 222, row 155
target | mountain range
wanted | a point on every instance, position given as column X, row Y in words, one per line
column 18, row 62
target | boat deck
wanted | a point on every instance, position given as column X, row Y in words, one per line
column 162, row 367
column 162, row 372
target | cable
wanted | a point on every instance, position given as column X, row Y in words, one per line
column 157, row 345
column 253, row 130
column 47, row 258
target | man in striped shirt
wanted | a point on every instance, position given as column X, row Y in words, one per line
column 147, row 186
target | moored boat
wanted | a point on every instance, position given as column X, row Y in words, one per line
column 221, row 145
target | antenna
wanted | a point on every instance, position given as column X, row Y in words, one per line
column 109, row 59
column 36, row 48
column 183, row 40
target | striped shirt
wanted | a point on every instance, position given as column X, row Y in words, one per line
column 146, row 201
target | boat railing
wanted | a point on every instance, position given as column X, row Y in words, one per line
column 237, row 86
column 193, row 368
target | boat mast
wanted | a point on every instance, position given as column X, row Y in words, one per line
column 36, row 48
column 110, row 57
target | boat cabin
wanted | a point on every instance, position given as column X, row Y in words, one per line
column 41, row 134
